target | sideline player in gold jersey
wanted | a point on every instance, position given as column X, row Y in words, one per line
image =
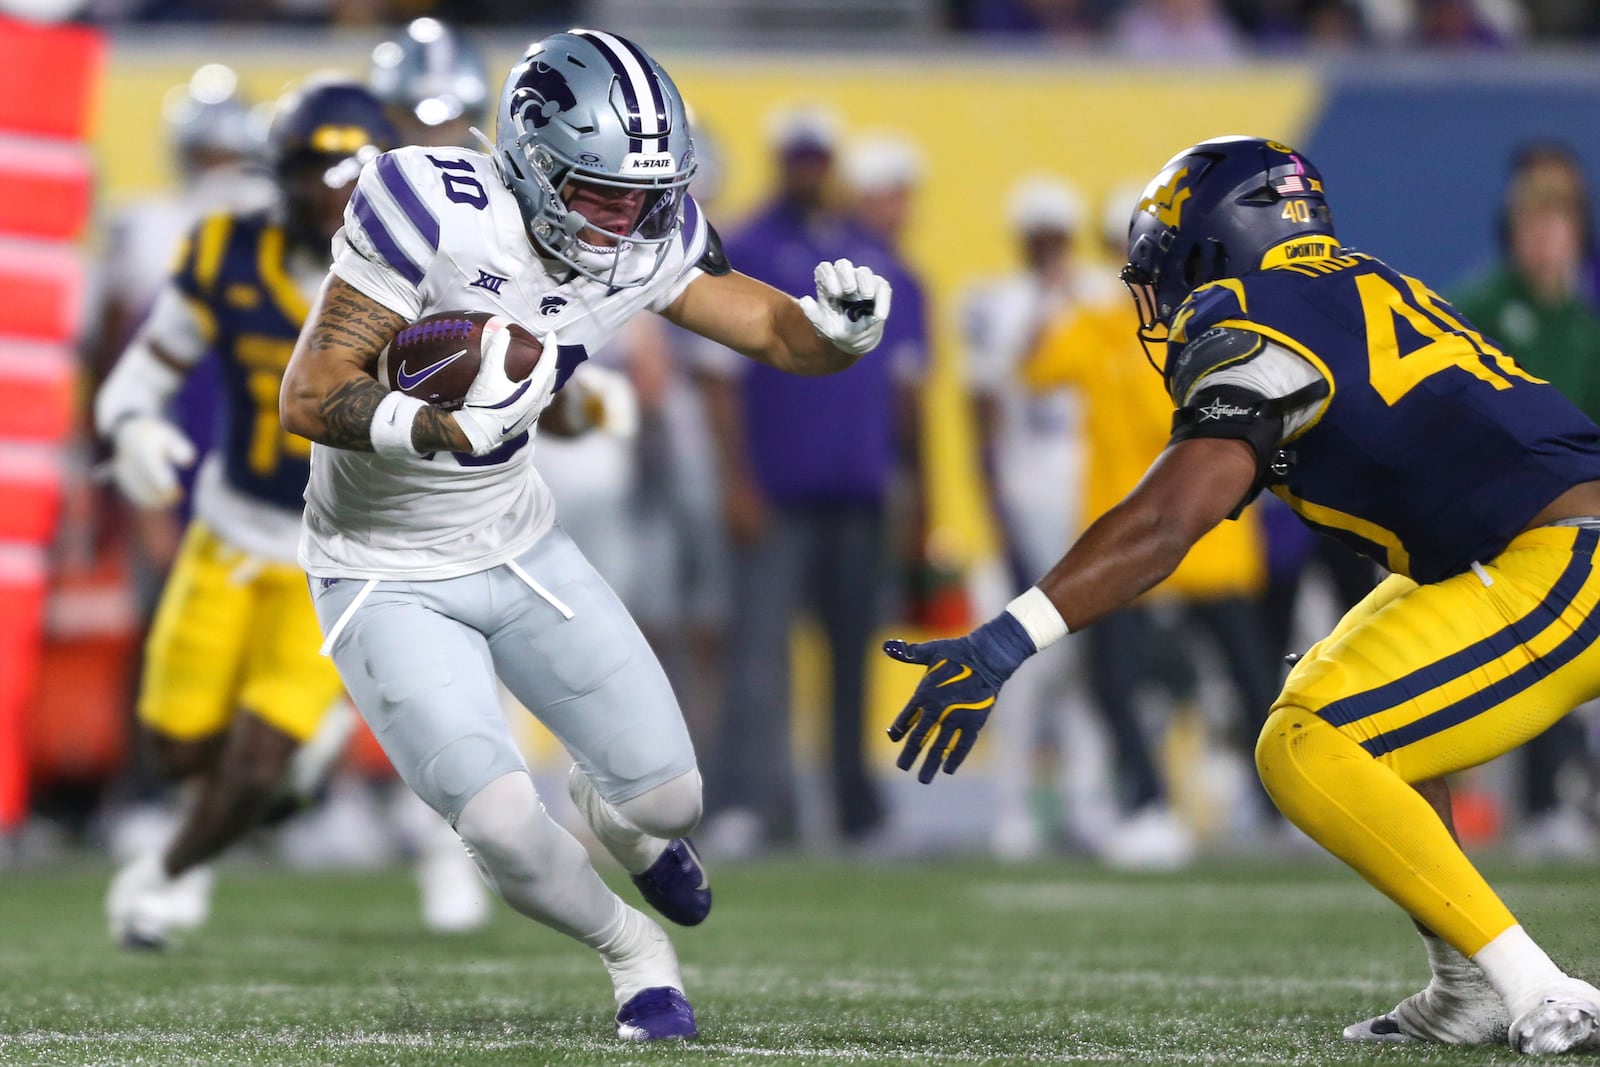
column 233, row 684
column 1385, row 420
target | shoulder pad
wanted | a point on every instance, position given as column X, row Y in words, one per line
column 714, row 261
column 1214, row 349
column 390, row 220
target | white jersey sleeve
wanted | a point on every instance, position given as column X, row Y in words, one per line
column 390, row 238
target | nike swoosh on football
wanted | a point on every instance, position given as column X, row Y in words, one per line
column 411, row 381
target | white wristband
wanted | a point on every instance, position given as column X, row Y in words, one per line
column 1039, row 617
column 391, row 424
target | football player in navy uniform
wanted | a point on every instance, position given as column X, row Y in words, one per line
column 232, row 683
column 1385, row 420
column 436, row 562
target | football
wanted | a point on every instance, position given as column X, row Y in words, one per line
column 436, row 358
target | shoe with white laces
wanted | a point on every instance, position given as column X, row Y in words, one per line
column 1566, row 1019
column 669, row 874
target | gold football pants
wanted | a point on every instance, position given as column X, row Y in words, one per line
column 234, row 632
column 1420, row 681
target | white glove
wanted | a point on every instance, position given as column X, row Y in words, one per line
column 496, row 409
column 603, row 399
column 850, row 306
column 147, row 453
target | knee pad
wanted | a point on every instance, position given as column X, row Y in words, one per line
column 671, row 809
column 453, row 776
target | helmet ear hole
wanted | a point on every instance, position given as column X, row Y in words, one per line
column 1193, row 267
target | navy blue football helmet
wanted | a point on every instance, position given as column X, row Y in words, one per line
column 1219, row 209
column 322, row 134
column 326, row 122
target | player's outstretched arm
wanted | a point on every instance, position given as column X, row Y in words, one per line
column 1191, row 487
column 818, row 335
column 1194, row 485
column 329, row 391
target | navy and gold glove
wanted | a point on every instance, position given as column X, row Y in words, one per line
column 964, row 678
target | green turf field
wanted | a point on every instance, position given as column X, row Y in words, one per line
column 801, row 963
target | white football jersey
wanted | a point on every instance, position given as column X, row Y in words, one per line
column 435, row 229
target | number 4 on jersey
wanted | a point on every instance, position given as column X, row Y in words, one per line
column 1449, row 341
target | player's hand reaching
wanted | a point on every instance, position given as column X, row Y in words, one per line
column 496, row 408
column 956, row 695
column 850, row 306
column 148, row 452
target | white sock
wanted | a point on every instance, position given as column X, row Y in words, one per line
column 536, row 866
column 1518, row 969
column 639, row 956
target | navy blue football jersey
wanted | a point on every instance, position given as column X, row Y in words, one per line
column 234, row 273
column 1433, row 449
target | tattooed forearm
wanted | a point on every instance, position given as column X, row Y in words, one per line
column 347, row 421
column 436, row 430
column 347, row 414
column 349, row 320
column 329, row 388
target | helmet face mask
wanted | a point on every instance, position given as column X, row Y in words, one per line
column 1218, row 209
column 590, row 108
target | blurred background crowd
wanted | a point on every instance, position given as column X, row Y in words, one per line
column 768, row 531
column 1191, row 29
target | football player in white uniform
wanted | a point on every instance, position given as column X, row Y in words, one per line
column 434, row 556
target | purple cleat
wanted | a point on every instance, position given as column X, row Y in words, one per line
column 660, row 1013
column 676, row 884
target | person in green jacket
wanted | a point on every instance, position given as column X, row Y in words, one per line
column 1535, row 302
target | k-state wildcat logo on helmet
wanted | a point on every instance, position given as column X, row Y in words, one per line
column 542, row 93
